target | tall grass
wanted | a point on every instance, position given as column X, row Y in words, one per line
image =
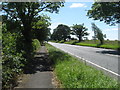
column 74, row 74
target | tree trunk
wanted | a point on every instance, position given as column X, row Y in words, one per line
column 64, row 39
column 80, row 39
column 28, row 48
column 101, row 42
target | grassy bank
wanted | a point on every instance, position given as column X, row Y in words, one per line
column 74, row 74
column 94, row 43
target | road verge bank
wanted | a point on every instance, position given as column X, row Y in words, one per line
column 90, row 43
column 75, row 74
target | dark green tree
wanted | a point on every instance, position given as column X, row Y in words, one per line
column 55, row 35
column 105, row 11
column 98, row 33
column 80, row 31
column 62, row 32
column 25, row 12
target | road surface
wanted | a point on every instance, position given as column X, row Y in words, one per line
column 105, row 59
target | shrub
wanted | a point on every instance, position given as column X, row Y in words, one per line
column 36, row 44
column 12, row 60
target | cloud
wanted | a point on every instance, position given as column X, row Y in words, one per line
column 76, row 5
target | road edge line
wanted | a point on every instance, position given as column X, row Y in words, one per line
column 91, row 62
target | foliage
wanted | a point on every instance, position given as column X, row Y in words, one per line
column 12, row 61
column 105, row 11
column 0, row 31
column 18, row 44
column 26, row 13
column 62, row 32
column 72, row 73
column 40, row 28
column 80, row 31
column 36, row 44
column 98, row 33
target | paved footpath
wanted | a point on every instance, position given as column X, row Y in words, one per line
column 40, row 75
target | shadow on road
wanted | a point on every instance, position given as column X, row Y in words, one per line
column 41, row 62
column 109, row 52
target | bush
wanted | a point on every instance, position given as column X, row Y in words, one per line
column 36, row 44
column 12, row 60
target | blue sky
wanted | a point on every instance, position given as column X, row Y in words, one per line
column 75, row 13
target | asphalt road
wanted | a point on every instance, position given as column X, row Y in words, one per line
column 106, row 59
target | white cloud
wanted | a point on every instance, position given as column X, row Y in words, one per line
column 75, row 5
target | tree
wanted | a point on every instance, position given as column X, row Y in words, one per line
column 105, row 11
column 98, row 33
column 62, row 32
column 56, row 35
column 40, row 28
column 80, row 31
column 25, row 12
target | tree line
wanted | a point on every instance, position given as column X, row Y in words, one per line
column 103, row 11
column 64, row 32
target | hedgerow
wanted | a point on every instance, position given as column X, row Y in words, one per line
column 12, row 60
column 13, row 57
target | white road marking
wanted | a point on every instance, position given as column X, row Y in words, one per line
column 91, row 62
column 113, row 55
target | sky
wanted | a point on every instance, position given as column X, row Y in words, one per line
column 75, row 13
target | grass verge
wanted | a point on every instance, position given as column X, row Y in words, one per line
column 94, row 43
column 74, row 74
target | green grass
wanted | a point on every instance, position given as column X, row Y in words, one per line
column 85, row 44
column 95, row 43
column 75, row 74
column 107, row 44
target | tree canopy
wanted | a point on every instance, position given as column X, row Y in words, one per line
column 25, row 13
column 98, row 33
column 80, row 31
column 105, row 11
column 41, row 28
column 62, row 32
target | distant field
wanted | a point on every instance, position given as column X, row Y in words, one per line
column 109, row 44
